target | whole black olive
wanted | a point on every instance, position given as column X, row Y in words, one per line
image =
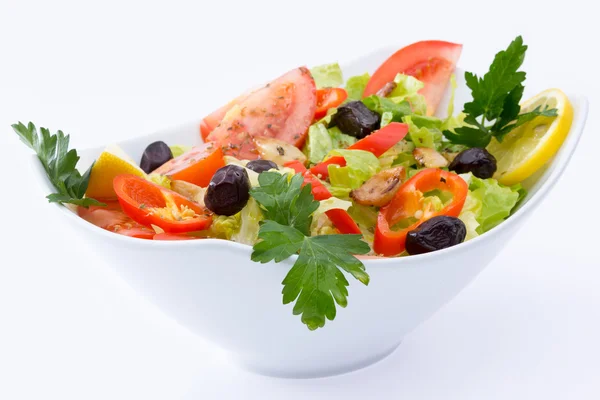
column 228, row 190
column 355, row 119
column 435, row 234
column 261, row 165
column 476, row 160
column 155, row 155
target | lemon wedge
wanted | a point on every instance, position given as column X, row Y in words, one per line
column 112, row 162
column 527, row 148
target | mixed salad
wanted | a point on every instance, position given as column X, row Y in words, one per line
column 330, row 170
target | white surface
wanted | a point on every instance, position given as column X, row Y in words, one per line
column 527, row 327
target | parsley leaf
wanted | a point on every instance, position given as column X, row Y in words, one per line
column 316, row 281
column 59, row 163
column 287, row 203
column 496, row 98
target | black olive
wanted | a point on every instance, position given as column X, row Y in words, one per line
column 261, row 165
column 355, row 119
column 155, row 155
column 228, row 190
column 435, row 234
column 476, row 160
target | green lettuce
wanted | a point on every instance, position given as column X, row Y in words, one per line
column 386, row 118
column 407, row 88
column 381, row 105
column 360, row 166
column 489, row 201
column 249, row 219
column 402, row 148
column 322, row 140
column 223, row 227
column 423, row 136
column 327, row 75
column 355, row 86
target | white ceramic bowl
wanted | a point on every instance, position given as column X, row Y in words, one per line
column 214, row 289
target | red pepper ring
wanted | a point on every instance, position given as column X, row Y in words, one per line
column 150, row 204
column 408, row 202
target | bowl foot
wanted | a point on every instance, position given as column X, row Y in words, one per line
column 308, row 370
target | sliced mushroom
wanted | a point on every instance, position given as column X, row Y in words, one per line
column 380, row 188
column 386, row 89
column 189, row 190
column 278, row 151
column 429, row 158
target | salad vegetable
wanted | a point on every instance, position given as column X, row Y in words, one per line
column 303, row 167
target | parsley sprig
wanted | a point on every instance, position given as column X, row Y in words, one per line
column 496, row 99
column 60, row 164
column 316, row 281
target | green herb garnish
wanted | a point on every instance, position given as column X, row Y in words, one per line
column 60, row 164
column 316, row 281
column 496, row 99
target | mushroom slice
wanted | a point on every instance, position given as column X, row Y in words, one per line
column 380, row 188
column 429, row 158
column 189, row 190
column 278, row 151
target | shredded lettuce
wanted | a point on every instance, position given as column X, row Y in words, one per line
column 249, row 219
column 386, row 118
column 490, row 202
column 407, row 88
column 327, row 75
column 402, row 148
column 468, row 216
column 321, row 224
column 381, row 105
column 423, row 137
column 161, row 180
column 322, row 140
column 223, row 227
column 178, row 149
column 360, row 166
column 355, row 86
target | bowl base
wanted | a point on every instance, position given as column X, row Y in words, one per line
column 258, row 366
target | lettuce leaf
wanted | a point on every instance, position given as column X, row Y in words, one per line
column 355, row 86
column 489, row 201
column 360, row 166
column 423, row 136
column 248, row 227
column 322, row 140
column 407, row 88
column 179, row 149
column 327, row 75
column 381, row 105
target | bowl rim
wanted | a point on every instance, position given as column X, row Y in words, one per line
column 563, row 157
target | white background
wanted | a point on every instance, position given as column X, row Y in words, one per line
column 528, row 327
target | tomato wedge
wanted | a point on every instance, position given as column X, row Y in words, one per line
column 340, row 218
column 377, row 143
column 408, row 203
column 210, row 122
column 196, row 166
column 150, row 204
column 283, row 109
column 329, row 98
column 113, row 219
column 432, row 62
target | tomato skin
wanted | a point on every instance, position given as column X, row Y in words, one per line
column 171, row 236
column 210, row 122
column 329, row 98
column 113, row 219
column 377, row 143
column 283, row 109
column 340, row 218
column 431, row 61
column 196, row 166
column 143, row 200
column 408, row 201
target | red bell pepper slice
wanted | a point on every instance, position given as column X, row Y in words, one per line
column 377, row 143
column 329, row 98
column 340, row 218
column 408, row 203
column 150, row 204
